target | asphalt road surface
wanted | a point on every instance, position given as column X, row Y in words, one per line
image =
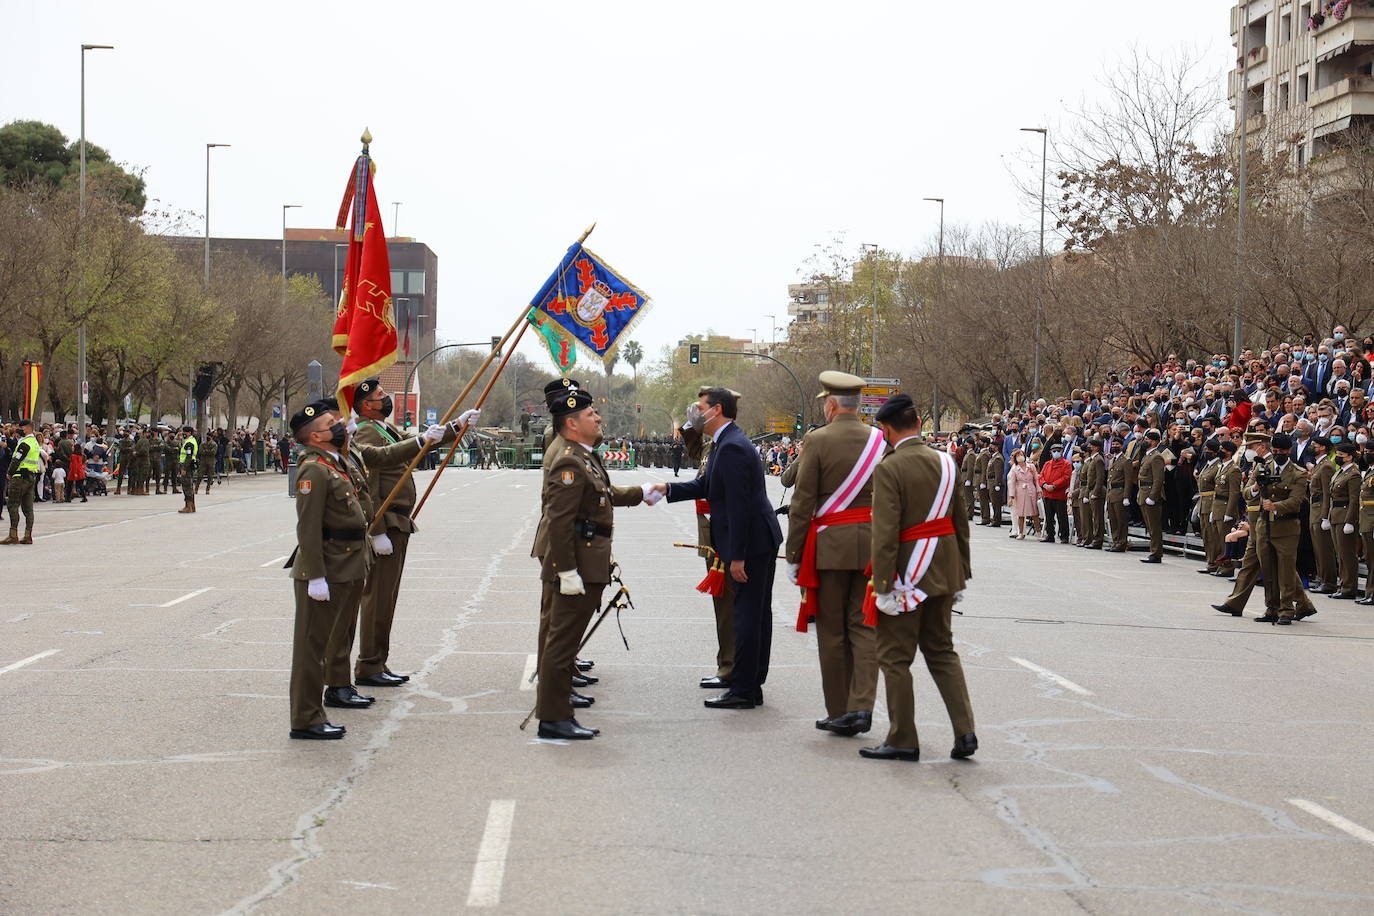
column 1140, row 753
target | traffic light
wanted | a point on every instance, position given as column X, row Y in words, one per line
column 694, row 353
column 496, row 345
column 799, row 423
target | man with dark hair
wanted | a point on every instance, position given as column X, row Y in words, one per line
column 1152, row 468
column 745, row 534
column 22, row 473
column 920, row 565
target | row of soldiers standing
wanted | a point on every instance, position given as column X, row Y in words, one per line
column 153, row 458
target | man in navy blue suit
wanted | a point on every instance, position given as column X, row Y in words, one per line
column 745, row 533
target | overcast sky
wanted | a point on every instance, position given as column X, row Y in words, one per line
column 715, row 143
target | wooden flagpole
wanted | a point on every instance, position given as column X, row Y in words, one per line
column 517, row 330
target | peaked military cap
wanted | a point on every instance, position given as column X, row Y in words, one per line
column 840, row 384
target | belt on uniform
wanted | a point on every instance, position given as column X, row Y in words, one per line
column 1316, row 499
column 345, row 534
column 1366, row 502
column 1252, row 508
column 1287, row 518
column 587, row 528
column 1340, row 505
column 1208, row 493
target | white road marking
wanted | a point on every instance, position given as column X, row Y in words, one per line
column 1335, row 820
column 1103, row 572
column 30, row 660
column 527, row 676
column 19, row 618
column 274, row 561
column 187, row 597
column 385, row 887
column 1050, row 675
column 489, row 871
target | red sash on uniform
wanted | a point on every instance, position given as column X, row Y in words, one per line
column 806, row 576
column 935, row 528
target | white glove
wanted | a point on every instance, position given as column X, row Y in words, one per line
column 469, row 417
column 318, row 589
column 958, row 596
column 1227, row 518
column 982, row 486
column 651, row 495
column 352, row 426
column 998, row 489
column 434, row 433
column 1347, row 528
column 570, row 583
column 1326, row 524
column 1149, row 502
column 1125, row 502
column 889, row 603
column 793, row 570
column 382, row 545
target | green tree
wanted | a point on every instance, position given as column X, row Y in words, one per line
column 633, row 354
column 32, row 152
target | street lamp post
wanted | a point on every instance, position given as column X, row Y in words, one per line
column 1044, row 133
column 208, row 147
column 754, row 334
column 284, row 208
column 1243, row 148
column 774, row 339
column 81, row 217
column 872, row 250
column 396, row 217
column 940, row 292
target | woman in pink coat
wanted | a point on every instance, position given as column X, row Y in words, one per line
column 1023, row 489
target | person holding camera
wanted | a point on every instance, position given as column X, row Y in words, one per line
column 1283, row 489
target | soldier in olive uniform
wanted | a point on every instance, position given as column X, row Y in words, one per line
column 1226, row 502
column 1078, row 498
column 915, row 599
column 1343, row 513
column 1319, row 477
column 1256, row 444
column 1095, row 495
column 164, row 457
column 123, row 457
column 1280, row 527
column 995, row 476
column 1206, row 472
column 1151, row 482
column 827, row 549
column 967, row 475
column 190, row 456
column 209, row 451
column 1367, row 533
column 980, row 476
column 143, row 464
column 1118, row 500
column 577, row 503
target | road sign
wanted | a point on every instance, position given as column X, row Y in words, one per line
column 85, row 391
column 431, row 417
column 276, row 411
column 874, row 392
column 128, row 404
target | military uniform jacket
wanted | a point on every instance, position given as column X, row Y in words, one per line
column 830, row 455
column 995, row 474
column 143, row 450
column 1119, row 473
column 332, row 515
column 1319, row 487
column 698, row 448
column 1345, row 495
column 208, row 450
column 905, row 486
column 1227, row 500
column 1207, row 489
column 577, row 489
column 967, row 474
column 382, row 478
column 1367, row 504
column 1152, row 477
column 1288, row 495
column 980, row 470
column 552, row 449
column 1095, row 476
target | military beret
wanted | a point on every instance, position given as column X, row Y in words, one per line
column 25, row 422
column 365, row 387
column 1095, row 443
column 188, row 429
column 305, row 415
column 554, row 389
column 1281, row 440
column 1228, row 446
column 893, row 407
column 1347, row 448
column 576, row 399
column 329, row 404
column 840, row 384
column 1321, row 440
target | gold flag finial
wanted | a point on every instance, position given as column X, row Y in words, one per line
column 366, row 138
column 586, row 233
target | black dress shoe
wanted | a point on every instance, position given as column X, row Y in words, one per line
column 380, row 679
column 594, row 731
column 403, row 677
column 1226, row 609
column 1285, row 619
column 1308, row 612
column 322, row 732
column 1365, row 600
column 964, row 746
column 345, row 698
column 1267, row 618
column 888, row 752
column 1207, row 571
column 715, row 683
column 729, row 700
column 585, row 664
column 1320, row 590
column 1151, row 560
column 581, row 702
column 1113, row 550
column 1093, row 546
column 1047, row 540
column 567, row 730
column 851, row 723
column 1343, row 596
column 824, row 724
column 584, row 680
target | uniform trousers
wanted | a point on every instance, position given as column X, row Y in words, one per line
column 1249, row 574
column 970, row 498
column 1119, row 516
column 1211, row 544
column 1095, row 510
column 847, row 648
column 898, row 638
column 1154, row 523
column 19, row 496
column 317, row 625
column 1278, row 555
column 1324, row 550
column 567, row 625
column 724, row 607
column 188, row 484
column 380, row 594
column 1347, row 564
column 1368, row 538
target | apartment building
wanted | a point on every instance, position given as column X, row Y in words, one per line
column 1305, row 68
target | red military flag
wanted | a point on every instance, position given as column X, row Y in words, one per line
column 365, row 325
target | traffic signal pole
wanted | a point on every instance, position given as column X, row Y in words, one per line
column 801, row 396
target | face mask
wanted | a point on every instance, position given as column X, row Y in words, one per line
column 1250, row 454
column 1020, row 460
column 337, row 434
column 385, row 407
column 694, row 417
column 1280, row 459
column 1338, row 336
column 1192, row 414
column 1361, row 439
column 1336, row 439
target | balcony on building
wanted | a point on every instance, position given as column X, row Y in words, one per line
column 1344, row 91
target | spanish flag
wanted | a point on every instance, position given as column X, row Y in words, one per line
column 365, row 325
